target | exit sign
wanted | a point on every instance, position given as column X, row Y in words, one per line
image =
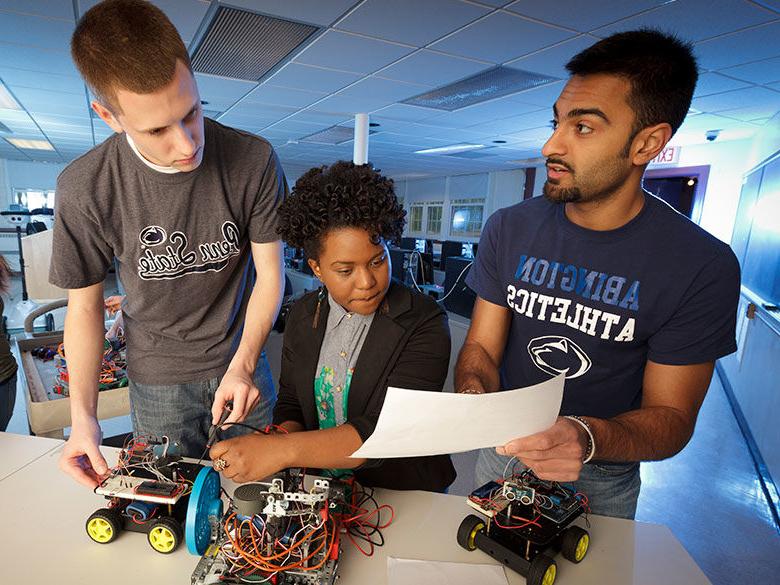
column 668, row 156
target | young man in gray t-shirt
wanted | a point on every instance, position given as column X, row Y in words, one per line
column 183, row 203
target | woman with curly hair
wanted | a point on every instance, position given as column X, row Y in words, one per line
column 346, row 343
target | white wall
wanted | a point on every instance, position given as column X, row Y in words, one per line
column 728, row 162
column 16, row 174
column 499, row 189
column 753, row 372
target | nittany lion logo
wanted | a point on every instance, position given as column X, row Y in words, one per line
column 559, row 355
column 153, row 235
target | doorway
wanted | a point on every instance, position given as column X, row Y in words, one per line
column 682, row 187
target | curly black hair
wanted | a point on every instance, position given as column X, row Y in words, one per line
column 340, row 196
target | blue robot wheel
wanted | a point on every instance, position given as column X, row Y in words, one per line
column 205, row 503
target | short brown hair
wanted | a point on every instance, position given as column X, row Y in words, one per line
column 127, row 44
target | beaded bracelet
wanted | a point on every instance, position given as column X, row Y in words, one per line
column 590, row 450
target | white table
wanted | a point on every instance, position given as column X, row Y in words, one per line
column 16, row 451
column 44, row 540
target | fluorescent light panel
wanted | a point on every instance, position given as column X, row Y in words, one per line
column 7, row 101
column 450, row 149
column 30, row 144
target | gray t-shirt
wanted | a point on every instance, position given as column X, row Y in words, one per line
column 182, row 242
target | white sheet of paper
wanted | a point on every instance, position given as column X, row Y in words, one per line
column 406, row 571
column 414, row 423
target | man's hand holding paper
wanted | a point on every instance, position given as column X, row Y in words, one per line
column 414, row 423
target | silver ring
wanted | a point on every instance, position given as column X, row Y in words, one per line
column 220, row 464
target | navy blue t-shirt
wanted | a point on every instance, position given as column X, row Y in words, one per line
column 598, row 304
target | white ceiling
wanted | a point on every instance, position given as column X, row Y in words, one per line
column 372, row 54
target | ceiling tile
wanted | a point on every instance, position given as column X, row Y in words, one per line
column 284, row 96
column 581, row 16
column 35, row 59
column 514, row 124
column 297, row 128
column 32, row 79
column 746, row 114
column 757, row 43
column 710, row 20
column 432, row 68
column 710, row 83
column 411, row 21
column 732, row 100
column 533, row 135
column 62, row 9
column 485, row 112
column 552, row 61
column 760, row 72
column 385, row 124
column 347, row 52
column 186, row 15
column 254, row 115
column 704, row 122
column 221, row 91
column 376, row 86
column 36, row 100
column 320, row 118
column 405, row 112
column 35, row 31
column 544, row 96
column 311, row 78
column 350, row 105
column 321, row 12
column 501, row 37
column 66, row 119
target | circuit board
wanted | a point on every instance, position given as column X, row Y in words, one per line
column 130, row 487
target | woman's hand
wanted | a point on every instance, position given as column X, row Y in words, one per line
column 251, row 457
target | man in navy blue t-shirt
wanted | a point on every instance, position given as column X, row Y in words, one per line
column 603, row 282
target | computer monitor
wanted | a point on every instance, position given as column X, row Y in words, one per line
column 467, row 250
column 404, row 262
column 460, row 298
column 449, row 249
column 408, row 243
column 420, row 245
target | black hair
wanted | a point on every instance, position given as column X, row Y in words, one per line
column 660, row 67
column 344, row 195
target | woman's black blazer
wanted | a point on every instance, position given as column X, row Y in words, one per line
column 407, row 346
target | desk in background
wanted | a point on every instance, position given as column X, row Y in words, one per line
column 44, row 541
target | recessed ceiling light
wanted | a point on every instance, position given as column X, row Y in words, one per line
column 7, row 101
column 31, row 144
column 450, row 149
